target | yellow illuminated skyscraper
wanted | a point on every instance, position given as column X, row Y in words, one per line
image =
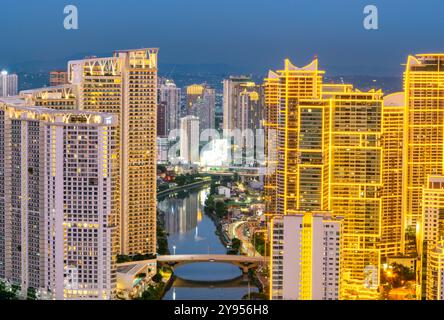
column 435, row 272
column 423, row 129
column 302, row 145
column 432, row 232
column 392, row 219
column 355, row 184
column 271, row 104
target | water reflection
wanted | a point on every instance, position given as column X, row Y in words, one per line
column 180, row 214
column 190, row 231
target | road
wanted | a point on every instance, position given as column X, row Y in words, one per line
column 236, row 230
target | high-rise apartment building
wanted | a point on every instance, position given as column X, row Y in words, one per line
column 231, row 101
column 201, row 103
column 355, row 184
column 243, row 119
column 435, row 272
column 162, row 150
column 432, row 230
column 251, row 107
column 162, row 119
column 59, row 226
column 170, row 98
column 301, row 146
column 189, row 140
column 126, row 85
column 271, row 104
column 305, row 256
column 243, row 104
column 392, row 242
column 8, row 84
column 423, row 129
column 432, row 211
column 63, row 97
column 58, row 78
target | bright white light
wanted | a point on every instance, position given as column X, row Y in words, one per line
column 4, row 73
column 215, row 153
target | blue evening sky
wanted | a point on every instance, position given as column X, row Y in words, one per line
column 252, row 34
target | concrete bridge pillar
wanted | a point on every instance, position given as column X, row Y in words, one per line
column 244, row 269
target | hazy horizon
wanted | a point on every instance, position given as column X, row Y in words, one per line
column 249, row 36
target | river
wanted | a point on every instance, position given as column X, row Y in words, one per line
column 191, row 231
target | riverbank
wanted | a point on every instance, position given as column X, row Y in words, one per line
column 252, row 274
column 200, row 183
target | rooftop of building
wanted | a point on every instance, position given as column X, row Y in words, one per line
column 23, row 111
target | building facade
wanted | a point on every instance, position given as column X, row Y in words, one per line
column 126, row 85
column 58, row 78
column 328, row 157
column 8, row 84
column 170, row 98
column 60, row 228
column 201, row 103
column 393, row 218
column 435, row 273
column 243, row 120
column 306, row 257
column 423, row 129
column 189, row 140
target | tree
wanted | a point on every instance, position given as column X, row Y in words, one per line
column 6, row 294
column 32, row 294
column 259, row 243
column 209, row 205
column 235, row 245
column 221, row 209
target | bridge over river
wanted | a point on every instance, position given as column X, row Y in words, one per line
column 243, row 262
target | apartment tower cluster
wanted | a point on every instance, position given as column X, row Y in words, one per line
column 78, row 183
column 372, row 163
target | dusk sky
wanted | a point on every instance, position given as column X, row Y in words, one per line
column 254, row 35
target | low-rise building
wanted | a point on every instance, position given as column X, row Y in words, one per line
column 133, row 278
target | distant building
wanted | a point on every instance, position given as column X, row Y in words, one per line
column 224, row 191
column 162, row 150
column 306, row 253
column 243, row 118
column 170, row 100
column 189, row 139
column 8, row 84
column 162, row 119
column 243, row 104
column 231, row 103
column 58, row 78
column 64, row 97
column 201, row 103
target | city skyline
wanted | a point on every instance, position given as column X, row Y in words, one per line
column 197, row 150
